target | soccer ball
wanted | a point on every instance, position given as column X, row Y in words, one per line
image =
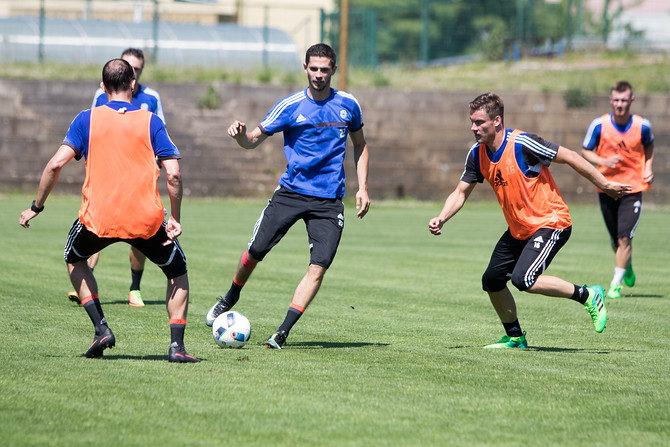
column 231, row 330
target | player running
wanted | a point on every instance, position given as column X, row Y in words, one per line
column 621, row 144
column 516, row 165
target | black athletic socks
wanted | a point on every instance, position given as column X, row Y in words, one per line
column 136, row 277
column 513, row 329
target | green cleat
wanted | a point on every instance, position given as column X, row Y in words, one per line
column 614, row 291
column 629, row 276
column 509, row 342
column 135, row 298
column 595, row 306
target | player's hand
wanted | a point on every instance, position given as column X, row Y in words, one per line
column 648, row 176
column 613, row 161
column 435, row 226
column 26, row 216
column 616, row 190
column 237, row 129
column 362, row 204
column 173, row 230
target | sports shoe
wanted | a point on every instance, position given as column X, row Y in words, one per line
column 510, row 342
column 595, row 306
column 629, row 276
column 74, row 297
column 276, row 340
column 101, row 342
column 178, row 354
column 614, row 291
column 135, row 298
column 221, row 306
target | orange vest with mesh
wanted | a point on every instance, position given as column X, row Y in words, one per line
column 528, row 203
column 120, row 196
column 630, row 170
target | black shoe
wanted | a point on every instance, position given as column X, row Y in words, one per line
column 178, row 354
column 100, row 343
column 224, row 304
column 276, row 340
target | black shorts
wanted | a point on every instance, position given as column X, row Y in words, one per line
column 522, row 261
column 82, row 244
column 621, row 215
column 324, row 219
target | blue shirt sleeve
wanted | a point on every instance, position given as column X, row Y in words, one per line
column 78, row 134
column 647, row 135
column 163, row 146
column 592, row 138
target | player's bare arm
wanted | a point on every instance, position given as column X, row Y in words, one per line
column 589, row 172
column 649, row 156
column 452, row 205
column 247, row 140
column 361, row 163
column 47, row 182
column 175, row 191
column 609, row 162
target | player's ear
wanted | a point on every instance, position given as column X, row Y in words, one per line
column 334, row 70
column 102, row 86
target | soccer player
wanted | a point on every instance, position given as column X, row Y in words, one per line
column 315, row 122
column 621, row 145
column 146, row 99
column 120, row 143
column 516, row 165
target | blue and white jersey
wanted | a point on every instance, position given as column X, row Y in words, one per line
column 146, row 99
column 315, row 136
column 592, row 138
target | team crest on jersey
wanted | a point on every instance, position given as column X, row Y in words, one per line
column 343, row 114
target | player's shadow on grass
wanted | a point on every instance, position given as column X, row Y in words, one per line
column 158, row 357
column 331, row 345
column 625, row 296
column 539, row 348
column 146, row 302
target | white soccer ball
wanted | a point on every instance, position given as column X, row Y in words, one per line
column 231, row 330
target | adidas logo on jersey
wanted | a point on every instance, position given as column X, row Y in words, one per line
column 499, row 180
column 300, row 118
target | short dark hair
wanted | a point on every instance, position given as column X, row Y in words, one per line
column 321, row 50
column 133, row 52
column 622, row 86
column 491, row 103
column 117, row 75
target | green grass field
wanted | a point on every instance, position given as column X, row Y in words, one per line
column 389, row 354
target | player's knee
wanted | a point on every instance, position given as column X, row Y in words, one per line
column 521, row 282
column 491, row 283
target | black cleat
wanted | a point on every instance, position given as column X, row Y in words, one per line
column 224, row 304
column 178, row 354
column 276, row 340
column 100, row 343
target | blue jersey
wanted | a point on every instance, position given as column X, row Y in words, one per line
column 145, row 98
column 79, row 132
column 315, row 136
column 592, row 138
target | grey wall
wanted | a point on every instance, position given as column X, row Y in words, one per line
column 417, row 140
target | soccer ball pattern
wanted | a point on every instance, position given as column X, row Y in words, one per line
column 231, row 330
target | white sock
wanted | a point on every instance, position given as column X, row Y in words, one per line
column 618, row 275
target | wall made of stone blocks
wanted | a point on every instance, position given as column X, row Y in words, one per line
column 418, row 141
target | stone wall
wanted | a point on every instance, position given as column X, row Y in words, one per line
column 417, row 140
